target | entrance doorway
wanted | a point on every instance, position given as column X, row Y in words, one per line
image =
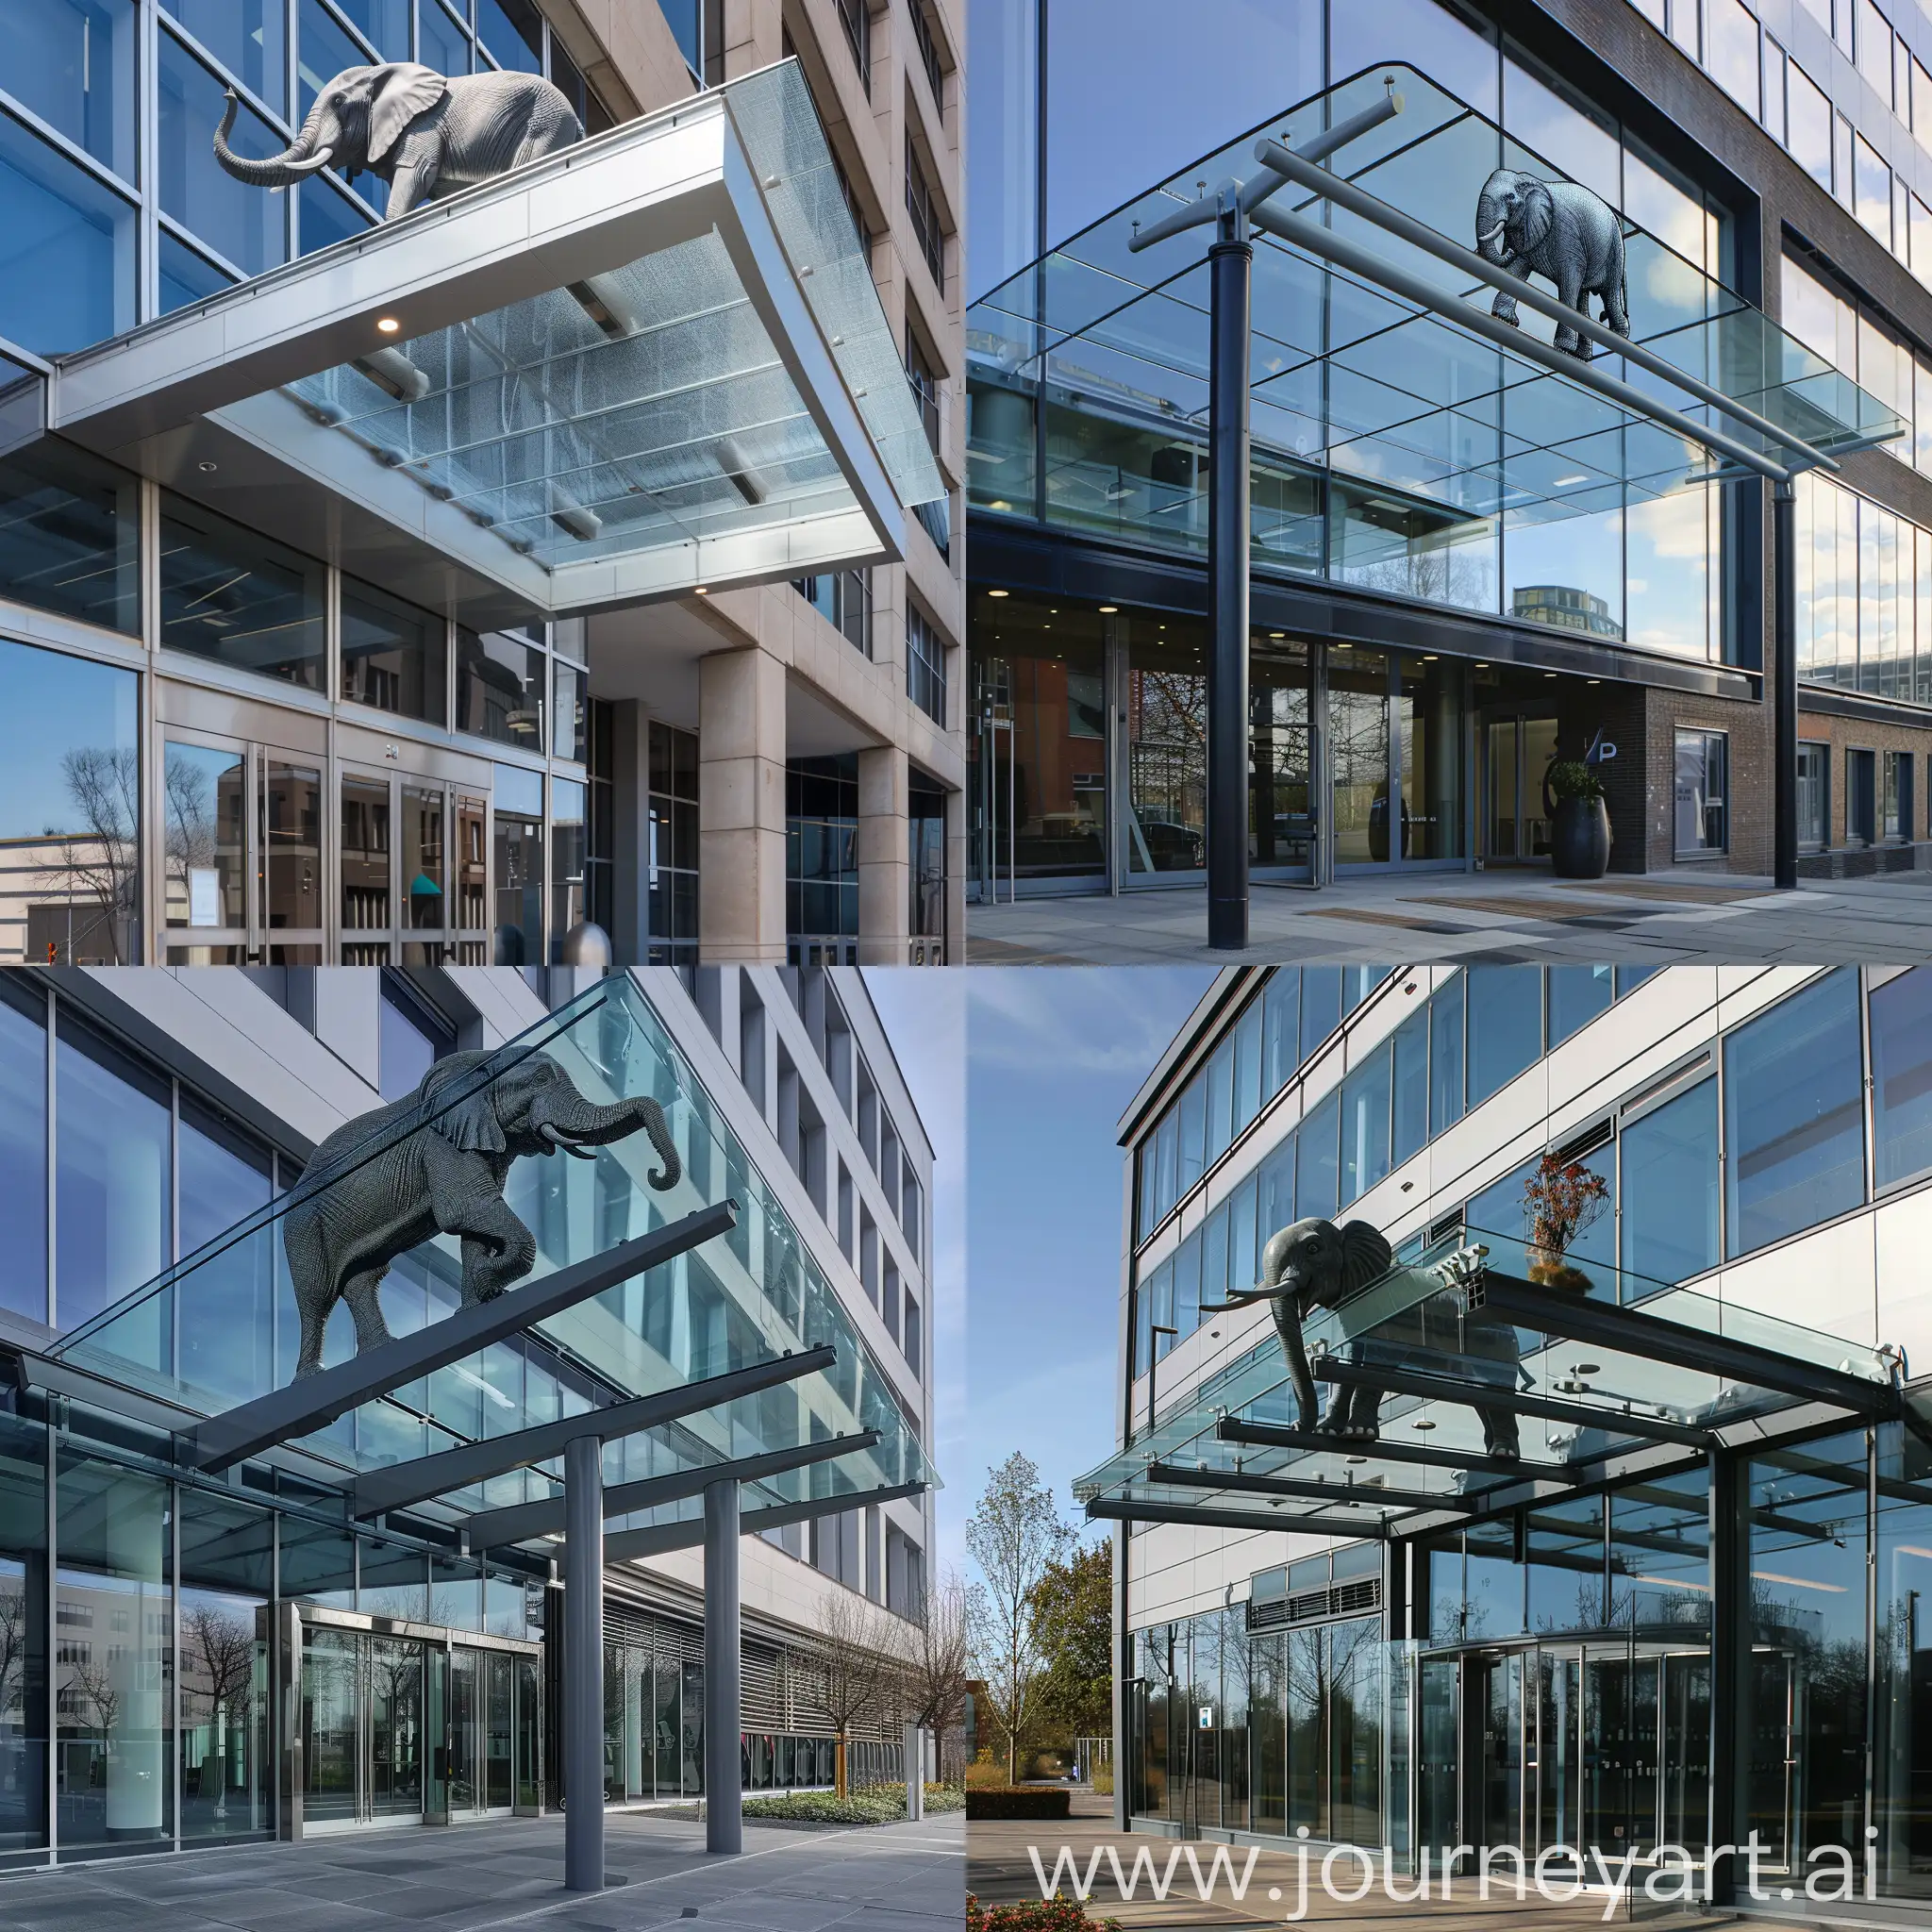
column 1516, row 748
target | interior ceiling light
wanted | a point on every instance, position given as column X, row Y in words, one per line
column 1109, row 609
column 999, row 593
column 388, row 325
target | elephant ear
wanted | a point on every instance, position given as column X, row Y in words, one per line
column 1539, row 211
column 1365, row 1255
column 468, row 1120
column 403, row 90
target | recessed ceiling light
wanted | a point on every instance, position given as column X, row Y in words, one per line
column 1429, row 657
column 1549, row 673
column 1425, row 1424
column 1109, row 609
column 206, row 467
column 388, row 325
column 1482, row 667
column 999, row 593
column 1278, row 635
column 701, row 592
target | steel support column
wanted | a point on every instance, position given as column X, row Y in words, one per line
column 1784, row 648
column 724, row 1787
column 583, row 1665
column 1230, row 269
column 1730, row 1673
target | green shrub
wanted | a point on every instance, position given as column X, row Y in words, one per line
column 1019, row 1801
column 1572, row 779
column 877, row 1805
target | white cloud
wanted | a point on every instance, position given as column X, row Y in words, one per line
column 1089, row 1020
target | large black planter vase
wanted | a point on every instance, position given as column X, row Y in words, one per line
column 1580, row 848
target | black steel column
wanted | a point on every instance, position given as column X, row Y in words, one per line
column 1730, row 1671
column 1783, row 522
column 583, row 1664
column 1230, row 269
column 724, row 1720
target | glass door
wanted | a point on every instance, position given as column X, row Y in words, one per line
column 1495, row 1733
column 332, row 1726
column 414, row 871
column 1556, row 1736
column 465, row 1730
column 1359, row 756
column 395, row 1728
column 1517, row 750
column 1438, row 1809
column 499, row 1788
column 1281, row 813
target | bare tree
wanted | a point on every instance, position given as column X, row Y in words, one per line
column 937, row 1675
column 1014, row 1534
column 224, row 1648
column 863, row 1670
column 13, row 1636
column 100, row 859
column 97, row 1687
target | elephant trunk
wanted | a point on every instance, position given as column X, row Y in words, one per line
column 301, row 157
column 592, row 1125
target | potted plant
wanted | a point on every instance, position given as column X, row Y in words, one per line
column 1580, row 840
column 1559, row 1200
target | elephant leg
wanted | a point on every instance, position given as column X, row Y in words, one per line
column 1365, row 1415
column 314, row 1312
column 411, row 186
column 362, row 1292
column 1500, row 1437
column 1288, row 1325
column 1570, row 293
column 495, row 1259
column 1504, row 308
column 1616, row 300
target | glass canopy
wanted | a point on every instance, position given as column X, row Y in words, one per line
column 1432, row 427
column 653, row 361
column 219, row 1328
column 1481, row 1337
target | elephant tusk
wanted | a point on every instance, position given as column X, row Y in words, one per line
column 320, row 158
column 1482, row 240
column 558, row 1143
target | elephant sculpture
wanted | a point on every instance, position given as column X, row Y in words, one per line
column 1312, row 1264
column 435, row 1163
column 1562, row 232
column 428, row 136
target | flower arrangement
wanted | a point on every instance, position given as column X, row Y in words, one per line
column 1561, row 1198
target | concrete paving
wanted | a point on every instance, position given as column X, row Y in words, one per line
column 510, row 1872
column 1502, row 916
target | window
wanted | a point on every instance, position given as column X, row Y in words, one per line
column 821, row 859
column 1731, row 51
column 23, row 1152
column 70, row 536
column 1873, row 43
column 70, row 809
column 500, row 688
column 1446, row 1053
column 843, row 599
column 568, row 714
column 1898, row 795
column 239, row 599
column 1794, row 1137
column 1668, row 1206
column 1901, row 1025
column 926, row 666
column 567, row 832
column 925, row 843
column 686, row 19
column 928, row 53
column 856, row 18
column 1280, row 1030
column 66, row 249
column 519, row 853
column 925, row 387
column 1505, row 1024
column 1814, row 795
column 184, row 276
column 244, row 226
column 409, row 1041
column 71, row 62
column 924, row 208
column 1703, row 791
column 1365, row 1096
column 1577, row 995
column 1861, row 800
column 393, row 655
column 512, row 33
column 672, row 863
column 1809, row 121
column 1320, row 1005
column 111, row 1190
column 384, row 23
column 1194, row 1139
column 1412, row 1087
column 1316, row 1176
column 1872, row 181
column 441, row 44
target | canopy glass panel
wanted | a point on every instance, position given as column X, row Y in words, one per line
column 1434, row 428
column 220, row 1327
column 1459, row 1372
column 649, row 405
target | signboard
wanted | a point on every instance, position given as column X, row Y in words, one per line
column 203, row 895
column 1206, row 1717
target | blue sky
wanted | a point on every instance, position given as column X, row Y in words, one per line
column 1054, row 1056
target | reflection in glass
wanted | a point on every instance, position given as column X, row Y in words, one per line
column 395, row 1728
column 292, row 848
column 567, row 834
column 1358, row 755
column 222, row 1175
column 69, row 543
column 1167, row 748
column 246, row 227
column 67, row 251
column 393, row 655
column 1429, row 725
column 331, row 1709
column 500, row 688
column 227, row 1776
column 239, row 599
column 206, row 802
column 112, row 1676
column 1669, row 1198
column 1281, row 805
column 424, row 857
column 24, row 1612
column 365, row 865
column 519, row 940
column 23, row 1153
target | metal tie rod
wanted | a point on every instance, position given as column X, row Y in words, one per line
column 519, row 1521
column 1307, row 1488
column 688, row 1532
column 313, row 1402
column 1366, row 1526
column 1316, row 148
column 1294, row 164
column 395, row 1488
column 1321, row 243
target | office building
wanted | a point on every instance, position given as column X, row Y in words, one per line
column 1628, row 1549
column 191, row 1656
column 1464, row 568
column 384, row 698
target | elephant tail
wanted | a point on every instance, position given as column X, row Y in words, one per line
column 671, row 1169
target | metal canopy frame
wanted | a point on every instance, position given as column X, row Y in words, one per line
column 316, row 1401
column 377, row 1491
column 519, row 1522
column 1314, row 1490
column 658, row 1540
column 587, row 255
